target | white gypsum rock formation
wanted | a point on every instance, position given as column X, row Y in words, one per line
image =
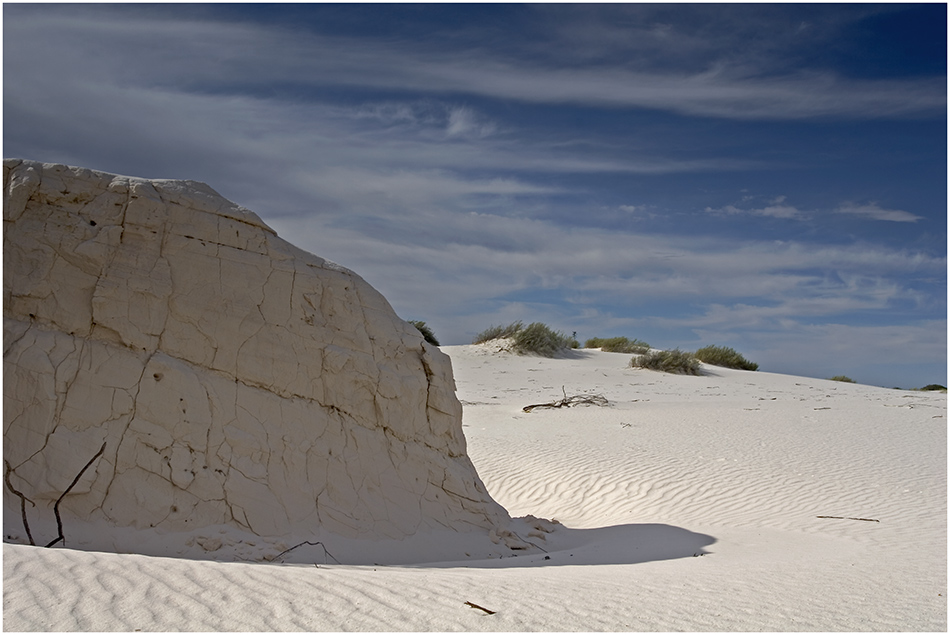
column 236, row 380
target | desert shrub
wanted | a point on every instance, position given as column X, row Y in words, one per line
column 498, row 332
column 675, row 361
column 934, row 387
column 618, row 345
column 536, row 338
column 539, row 339
column 426, row 331
column 843, row 378
column 724, row 356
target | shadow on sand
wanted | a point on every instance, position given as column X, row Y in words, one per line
column 619, row 544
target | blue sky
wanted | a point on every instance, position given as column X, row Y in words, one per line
column 767, row 177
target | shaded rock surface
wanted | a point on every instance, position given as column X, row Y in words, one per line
column 237, row 381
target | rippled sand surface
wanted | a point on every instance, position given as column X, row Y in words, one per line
column 731, row 501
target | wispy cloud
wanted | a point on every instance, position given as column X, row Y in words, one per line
column 876, row 212
column 778, row 209
column 720, row 92
column 429, row 116
column 775, row 209
column 464, row 122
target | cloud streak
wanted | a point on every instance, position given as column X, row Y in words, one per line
column 776, row 209
column 874, row 212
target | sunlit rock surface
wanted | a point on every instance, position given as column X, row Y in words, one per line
column 235, row 380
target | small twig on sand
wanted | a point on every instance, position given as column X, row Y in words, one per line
column 59, row 521
column 23, row 499
column 312, row 544
column 481, row 608
column 567, row 402
column 870, row 520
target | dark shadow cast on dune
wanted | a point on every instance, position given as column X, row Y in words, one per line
column 619, row 544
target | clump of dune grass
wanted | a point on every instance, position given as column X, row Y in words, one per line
column 934, row 387
column 539, row 339
column 536, row 338
column 724, row 356
column 498, row 333
column 618, row 345
column 426, row 331
column 843, row 378
column 674, row 361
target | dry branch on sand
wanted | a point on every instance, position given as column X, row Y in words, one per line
column 481, row 608
column 573, row 400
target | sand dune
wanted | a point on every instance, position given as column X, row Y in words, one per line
column 729, row 501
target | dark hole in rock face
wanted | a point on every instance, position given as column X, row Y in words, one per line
column 158, row 376
column 92, row 223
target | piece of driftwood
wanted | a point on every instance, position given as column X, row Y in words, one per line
column 23, row 499
column 480, row 608
column 312, row 544
column 870, row 520
column 59, row 521
column 573, row 400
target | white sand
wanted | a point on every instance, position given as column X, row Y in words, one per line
column 690, row 503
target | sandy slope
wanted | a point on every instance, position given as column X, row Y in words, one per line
column 689, row 503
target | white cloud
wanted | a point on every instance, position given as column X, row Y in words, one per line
column 781, row 211
column 424, row 118
column 394, row 113
column 778, row 209
column 775, row 209
column 464, row 122
column 722, row 93
column 875, row 212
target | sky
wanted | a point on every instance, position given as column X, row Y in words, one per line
column 767, row 177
